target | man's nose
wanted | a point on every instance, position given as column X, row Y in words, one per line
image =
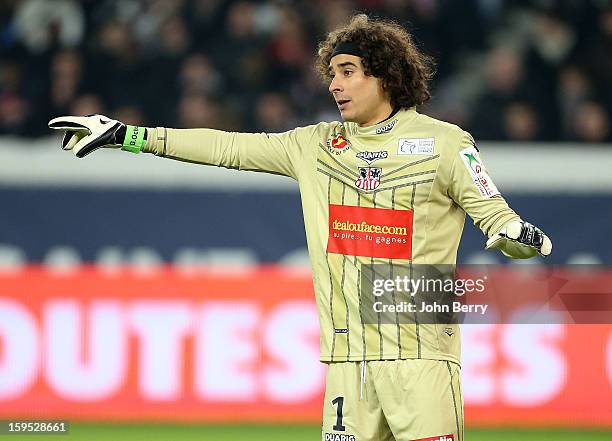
column 335, row 85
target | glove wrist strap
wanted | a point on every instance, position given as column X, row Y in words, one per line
column 134, row 139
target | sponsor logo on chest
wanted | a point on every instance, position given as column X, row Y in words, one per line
column 370, row 232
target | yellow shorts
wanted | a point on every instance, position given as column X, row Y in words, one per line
column 402, row 400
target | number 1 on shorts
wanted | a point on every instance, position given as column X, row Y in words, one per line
column 338, row 426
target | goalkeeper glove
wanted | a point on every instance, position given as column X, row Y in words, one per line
column 520, row 240
column 84, row 134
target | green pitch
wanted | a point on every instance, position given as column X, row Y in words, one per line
column 186, row 432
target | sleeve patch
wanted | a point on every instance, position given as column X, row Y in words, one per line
column 483, row 182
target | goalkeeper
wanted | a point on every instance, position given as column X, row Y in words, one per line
column 385, row 185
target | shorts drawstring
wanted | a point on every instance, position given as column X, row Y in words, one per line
column 363, row 380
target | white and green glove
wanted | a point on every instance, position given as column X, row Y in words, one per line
column 84, row 134
column 520, row 240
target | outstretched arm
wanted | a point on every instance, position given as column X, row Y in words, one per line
column 277, row 153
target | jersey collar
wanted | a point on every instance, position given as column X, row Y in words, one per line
column 401, row 116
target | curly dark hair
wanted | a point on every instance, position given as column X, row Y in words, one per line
column 389, row 54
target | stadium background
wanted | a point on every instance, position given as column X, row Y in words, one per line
column 157, row 299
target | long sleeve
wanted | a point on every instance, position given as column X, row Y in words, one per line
column 471, row 187
column 277, row 153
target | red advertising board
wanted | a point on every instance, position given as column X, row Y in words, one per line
column 239, row 346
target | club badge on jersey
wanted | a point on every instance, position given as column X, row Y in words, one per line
column 369, row 178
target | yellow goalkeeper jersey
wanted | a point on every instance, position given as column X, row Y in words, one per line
column 393, row 193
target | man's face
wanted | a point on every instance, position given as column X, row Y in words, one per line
column 360, row 97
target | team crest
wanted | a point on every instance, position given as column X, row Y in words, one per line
column 338, row 144
column 369, row 178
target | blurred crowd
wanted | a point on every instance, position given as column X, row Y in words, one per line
column 538, row 70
